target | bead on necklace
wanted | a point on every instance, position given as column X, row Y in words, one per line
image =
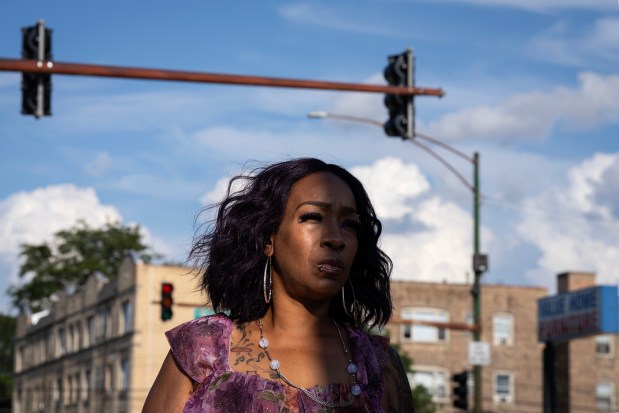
column 351, row 368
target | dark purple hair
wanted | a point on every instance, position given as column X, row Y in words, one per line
column 230, row 254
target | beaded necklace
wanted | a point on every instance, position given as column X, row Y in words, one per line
column 351, row 368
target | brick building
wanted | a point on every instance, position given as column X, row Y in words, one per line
column 586, row 370
column 513, row 380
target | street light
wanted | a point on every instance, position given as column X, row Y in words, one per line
column 480, row 261
column 321, row 114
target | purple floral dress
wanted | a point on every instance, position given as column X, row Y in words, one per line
column 201, row 348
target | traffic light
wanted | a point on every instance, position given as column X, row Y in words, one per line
column 166, row 301
column 461, row 390
column 36, row 87
column 399, row 72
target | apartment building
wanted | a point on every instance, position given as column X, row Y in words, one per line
column 513, row 380
column 99, row 350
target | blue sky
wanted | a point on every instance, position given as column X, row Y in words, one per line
column 532, row 86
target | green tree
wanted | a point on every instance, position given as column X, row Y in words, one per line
column 74, row 255
column 423, row 400
column 421, row 395
column 7, row 332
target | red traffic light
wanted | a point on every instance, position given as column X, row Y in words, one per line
column 166, row 301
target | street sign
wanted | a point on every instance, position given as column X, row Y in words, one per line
column 479, row 353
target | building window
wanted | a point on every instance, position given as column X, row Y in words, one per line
column 78, row 336
column 19, row 354
column 99, row 377
column 434, row 379
column 127, row 316
column 503, row 387
column 57, row 391
column 90, row 322
column 87, row 384
column 71, row 390
column 70, row 339
column 503, row 329
column 109, row 379
column 604, row 394
column 470, row 320
column 107, row 323
column 124, row 371
column 604, row 345
column 421, row 333
column 62, row 342
column 101, row 324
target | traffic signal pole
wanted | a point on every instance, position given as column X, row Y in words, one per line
column 78, row 69
column 476, row 291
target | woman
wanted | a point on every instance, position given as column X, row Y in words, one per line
column 292, row 258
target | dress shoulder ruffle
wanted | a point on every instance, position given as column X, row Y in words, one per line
column 200, row 346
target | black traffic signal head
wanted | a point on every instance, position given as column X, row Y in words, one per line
column 36, row 87
column 31, row 42
column 166, row 301
column 397, row 124
column 33, row 84
column 461, row 390
column 399, row 72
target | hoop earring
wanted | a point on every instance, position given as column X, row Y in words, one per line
column 267, row 273
column 355, row 304
column 344, row 303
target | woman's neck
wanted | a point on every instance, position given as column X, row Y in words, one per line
column 297, row 319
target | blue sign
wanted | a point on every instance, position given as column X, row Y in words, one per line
column 202, row 311
column 578, row 314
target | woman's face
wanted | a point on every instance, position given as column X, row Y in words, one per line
column 315, row 245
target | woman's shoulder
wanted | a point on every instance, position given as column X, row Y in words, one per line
column 377, row 341
column 199, row 346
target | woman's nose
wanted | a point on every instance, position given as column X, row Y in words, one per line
column 333, row 237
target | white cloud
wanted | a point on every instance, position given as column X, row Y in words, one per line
column 578, row 230
column 428, row 238
column 220, row 190
column 533, row 115
column 391, row 185
column 539, row 6
column 156, row 185
column 323, row 16
column 438, row 252
column 100, row 165
column 569, row 45
column 603, row 37
column 33, row 217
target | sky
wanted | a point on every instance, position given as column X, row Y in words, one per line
column 532, row 86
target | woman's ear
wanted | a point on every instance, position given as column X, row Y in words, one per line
column 268, row 248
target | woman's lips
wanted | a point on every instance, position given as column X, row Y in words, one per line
column 331, row 265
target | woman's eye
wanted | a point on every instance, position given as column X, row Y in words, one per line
column 311, row 216
column 353, row 224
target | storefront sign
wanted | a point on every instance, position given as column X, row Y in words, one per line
column 578, row 314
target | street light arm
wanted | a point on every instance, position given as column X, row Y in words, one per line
column 445, row 146
column 444, row 162
column 321, row 114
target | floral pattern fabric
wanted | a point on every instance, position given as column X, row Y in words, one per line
column 201, row 348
